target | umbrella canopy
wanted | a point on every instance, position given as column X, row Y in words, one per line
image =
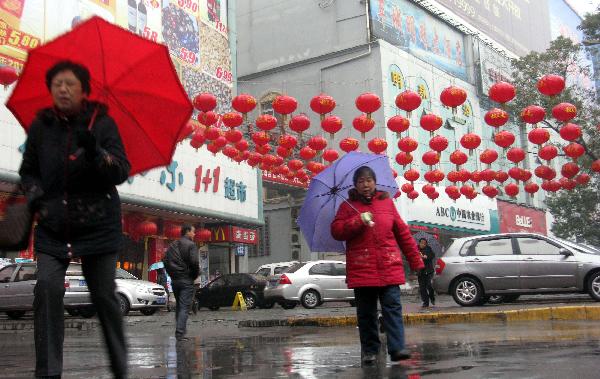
column 133, row 76
column 156, row 266
column 329, row 189
column 433, row 243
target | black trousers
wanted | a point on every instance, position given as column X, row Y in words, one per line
column 426, row 289
column 184, row 292
column 48, row 305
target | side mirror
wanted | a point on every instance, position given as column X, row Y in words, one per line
column 565, row 252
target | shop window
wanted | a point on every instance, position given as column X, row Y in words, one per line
column 266, row 105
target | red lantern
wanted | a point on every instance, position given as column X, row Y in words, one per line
column 147, row 228
column 398, row 124
column 453, row 97
column 205, row 102
column 464, row 174
column 596, row 165
column 531, row 188
column 488, row 175
column 349, row 144
column 172, row 231
column 431, row 122
column 525, row 175
column 438, row 143
column 332, row 125
column 234, row 135
column 502, row 92
column 458, row 157
column 574, row 150
column 408, row 144
column 476, row 177
column 260, row 138
column 368, row 103
column 363, row 124
column 299, row 123
column 504, row 139
column 284, row 104
column 570, row 132
column 377, row 145
column 453, row 176
column 197, row 139
column 232, row 119
column 568, row 184
column 307, row 153
column 241, row 156
column 496, row 117
column 411, row 175
column 569, row 170
column 434, row 176
column 403, row 158
column 511, row 189
column 544, row 172
column 266, row 122
column 407, row 188
column 538, row 136
column 288, row 141
column 466, row 190
column 283, row 152
column 488, row 156
column 470, row 141
column 431, row 158
column 243, row 103
column 453, row 192
column 242, row 145
column 269, row 160
column 551, row 85
column 413, row 195
column 331, row 155
column 490, row 191
column 582, row 179
column 533, row 114
column 554, row 185
column 208, row 118
column 317, row 143
column 548, row 152
column 212, row 133
column 564, row 112
column 314, row 167
column 254, row 158
column 501, row 176
column 263, row 149
column 203, row 235
column 433, row 195
column 230, row 152
column 322, row 104
column 295, row 164
column 8, row 75
column 408, row 101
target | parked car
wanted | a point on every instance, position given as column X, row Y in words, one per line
column 273, row 269
column 221, row 291
column 502, row 267
column 137, row 294
column 18, row 281
column 311, row 284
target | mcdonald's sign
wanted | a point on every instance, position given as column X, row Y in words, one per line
column 221, row 233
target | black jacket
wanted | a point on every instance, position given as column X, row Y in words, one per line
column 78, row 203
column 428, row 260
column 181, row 260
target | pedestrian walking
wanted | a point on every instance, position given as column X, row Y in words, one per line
column 376, row 237
column 73, row 159
column 426, row 275
column 162, row 278
column 182, row 265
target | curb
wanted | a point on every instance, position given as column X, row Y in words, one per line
column 531, row 314
column 11, row 326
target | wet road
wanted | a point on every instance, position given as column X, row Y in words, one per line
column 520, row 350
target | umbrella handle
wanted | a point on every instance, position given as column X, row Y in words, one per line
column 347, row 202
column 91, row 124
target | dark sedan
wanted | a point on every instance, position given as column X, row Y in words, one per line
column 221, row 292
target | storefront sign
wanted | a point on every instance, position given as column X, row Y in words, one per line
column 278, row 178
column 516, row 218
column 241, row 235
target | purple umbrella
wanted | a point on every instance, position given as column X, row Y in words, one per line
column 329, row 189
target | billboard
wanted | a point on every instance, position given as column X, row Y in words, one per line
column 412, row 29
column 519, row 25
column 515, row 218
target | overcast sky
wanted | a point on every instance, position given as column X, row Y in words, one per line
column 584, row 6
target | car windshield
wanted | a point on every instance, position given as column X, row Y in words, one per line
column 586, row 249
column 122, row 274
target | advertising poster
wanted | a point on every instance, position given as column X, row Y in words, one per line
column 515, row 218
column 63, row 15
column 214, row 13
column 21, row 29
column 410, row 28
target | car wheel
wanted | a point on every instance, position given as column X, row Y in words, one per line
column 594, row 286
column 310, row 299
column 267, row 305
column 148, row 311
column 87, row 312
column 15, row 315
column 213, row 308
column 72, row 311
column 250, row 300
column 496, row 299
column 124, row 305
column 288, row 304
column 467, row 291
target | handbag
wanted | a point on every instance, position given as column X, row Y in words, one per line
column 15, row 222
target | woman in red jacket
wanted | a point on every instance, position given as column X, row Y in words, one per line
column 376, row 237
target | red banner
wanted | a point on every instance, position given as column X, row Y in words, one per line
column 276, row 178
column 241, row 235
column 16, row 38
column 516, row 218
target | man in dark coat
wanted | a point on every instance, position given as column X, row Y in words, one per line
column 182, row 264
column 425, row 275
column 73, row 159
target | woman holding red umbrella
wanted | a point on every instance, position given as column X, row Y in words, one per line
column 73, row 159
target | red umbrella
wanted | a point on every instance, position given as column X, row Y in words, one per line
column 133, row 76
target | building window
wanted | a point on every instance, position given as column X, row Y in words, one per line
column 265, row 242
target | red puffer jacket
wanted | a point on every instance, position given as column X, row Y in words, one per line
column 373, row 254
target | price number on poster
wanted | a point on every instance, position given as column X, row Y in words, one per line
column 224, row 74
column 221, row 27
column 187, row 56
column 188, row 5
column 150, row 34
column 16, row 38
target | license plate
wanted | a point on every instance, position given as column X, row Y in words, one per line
column 161, row 300
column 82, row 283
